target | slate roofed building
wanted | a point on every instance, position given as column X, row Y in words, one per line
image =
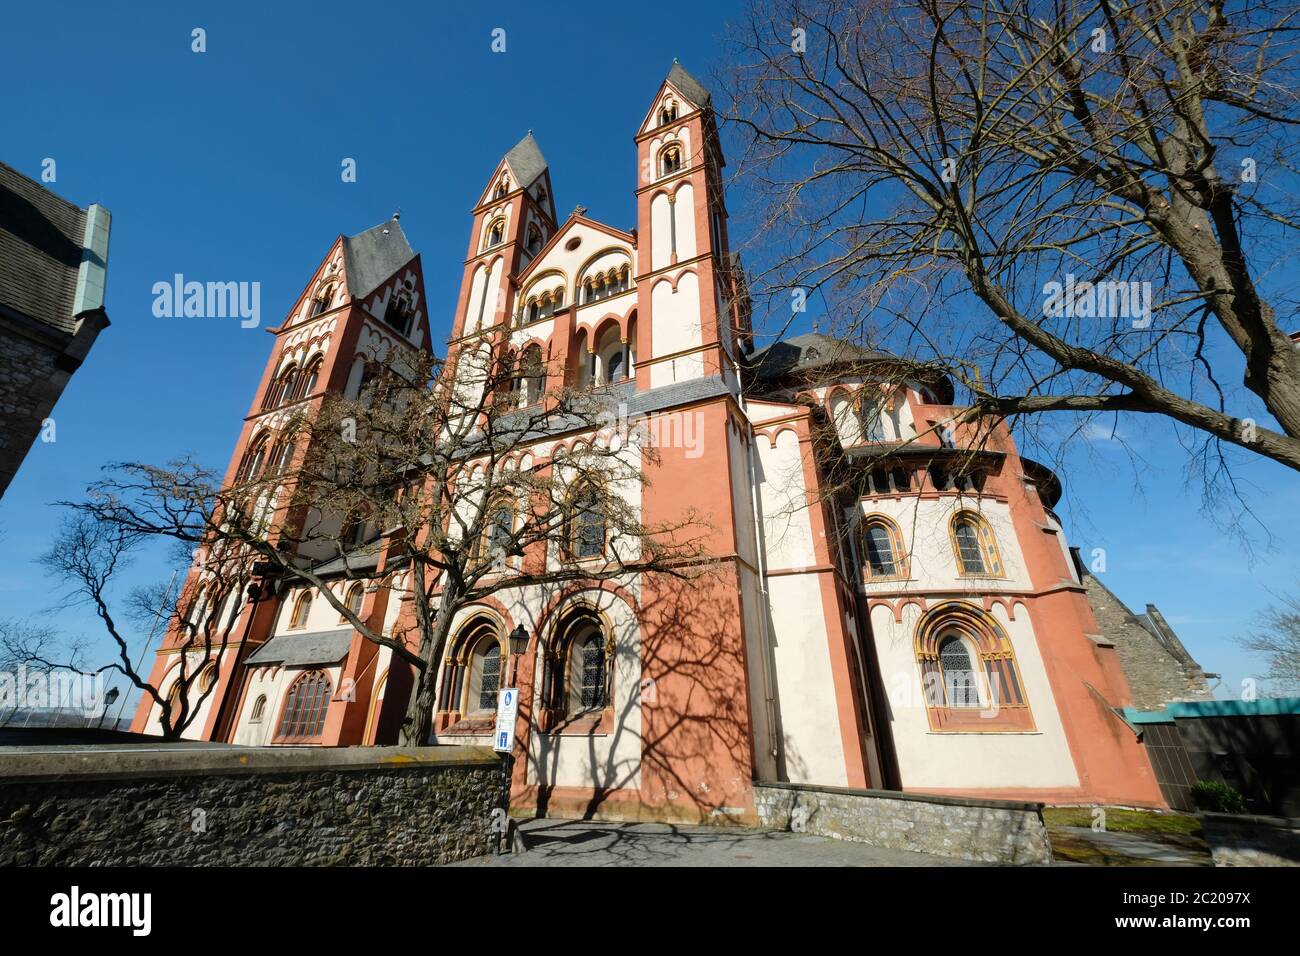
column 53, row 265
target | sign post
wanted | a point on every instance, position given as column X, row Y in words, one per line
column 503, row 742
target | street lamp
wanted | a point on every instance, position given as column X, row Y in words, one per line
column 518, row 647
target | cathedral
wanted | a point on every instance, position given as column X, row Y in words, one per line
column 896, row 605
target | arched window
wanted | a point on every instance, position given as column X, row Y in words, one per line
column 670, row 160
column 305, row 707
column 355, row 597
column 883, row 553
column 250, row 469
column 259, row 710
column 323, row 301
column 281, row 456
column 869, row 423
column 498, row 533
column 534, row 310
column 282, row 389
column 496, row 233
column 576, row 674
column 586, row 523
column 485, row 676
column 968, row 670
column 668, row 114
column 310, row 378
column 399, row 313
column 301, row 608
column 503, row 187
column 974, row 546
column 587, row 660
column 207, row 678
column 534, row 244
column 532, row 376
column 960, row 680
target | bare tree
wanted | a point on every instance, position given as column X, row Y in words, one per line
column 446, row 486
column 1072, row 206
column 1277, row 640
column 88, row 554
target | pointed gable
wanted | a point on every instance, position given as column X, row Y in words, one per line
column 687, row 85
column 678, row 85
column 372, row 256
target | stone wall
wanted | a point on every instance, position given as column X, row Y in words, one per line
column 1156, row 673
column 29, row 384
column 247, row 806
column 988, row 831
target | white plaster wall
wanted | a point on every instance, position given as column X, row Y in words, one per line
column 974, row 759
column 677, row 328
column 814, row 750
column 924, row 525
column 787, row 525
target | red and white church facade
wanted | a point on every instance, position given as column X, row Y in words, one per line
column 894, row 604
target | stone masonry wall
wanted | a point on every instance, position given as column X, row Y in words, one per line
column 248, row 807
column 988, row 831
column 28, row 384
column 1155, row 676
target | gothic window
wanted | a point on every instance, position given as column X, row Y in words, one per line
column 586, row 523
column 251, row 467
column 399, row 313
column 355, row 598
column 975, row 546
column 310, row 377
column 208, row 678
column 323, row 301
column 281, row 389
column 869, row 420
column 670, row 160
column 587, row 660
column 485, row 675
column 534, row 239
column 305, row 707
column 259, row 709
column 532, row 376
column 616, row 372
column 883, row 552
column 496, row 233
column 498, row 534
column 960, row 680
column 301, row 608
column 281, row 456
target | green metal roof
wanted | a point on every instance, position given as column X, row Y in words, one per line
column 1194, row 709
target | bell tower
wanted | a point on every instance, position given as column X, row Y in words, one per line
column 687, row 281
column 513, row 219
column 364, row 304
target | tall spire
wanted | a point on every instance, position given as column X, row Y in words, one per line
column 526, row 161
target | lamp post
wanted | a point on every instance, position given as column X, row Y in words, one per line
column 518, row 641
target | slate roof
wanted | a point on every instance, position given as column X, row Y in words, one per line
column 691, row 88
column 297, row 650
column 808, row 352
column 372, row 256
column 41, row 237
column 526, row 161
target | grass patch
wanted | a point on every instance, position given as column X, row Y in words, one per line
column 1124, row 821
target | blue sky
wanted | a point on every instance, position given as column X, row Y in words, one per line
column 225, row 166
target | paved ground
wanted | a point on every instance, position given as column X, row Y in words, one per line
column 1114, row 848
column 585, row 843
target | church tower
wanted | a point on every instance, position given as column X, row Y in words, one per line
column 689, row 284
column 512, row 220
column 363, row 305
